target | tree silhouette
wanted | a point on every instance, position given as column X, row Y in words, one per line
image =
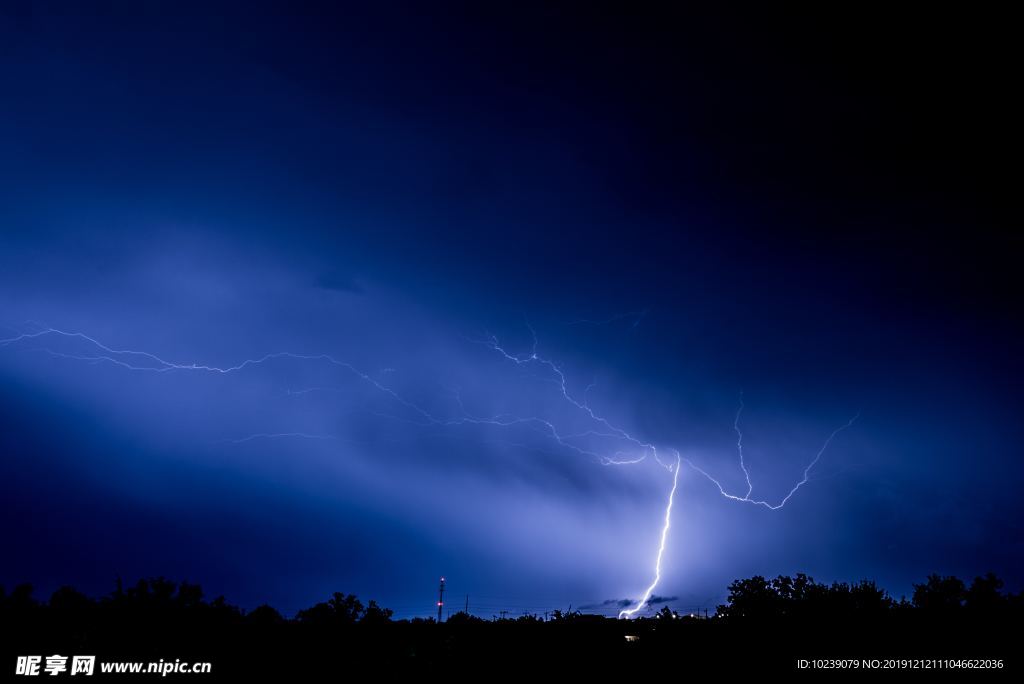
column 375, row 615
column 940, row 594
column 985, row 595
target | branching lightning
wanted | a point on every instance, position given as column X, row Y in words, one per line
column 647, row 448
column 806, row 476
column 143, row 361
column 614, row 431
column 155, row 364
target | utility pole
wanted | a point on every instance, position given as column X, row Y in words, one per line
column 467, row 604
column 440, row 600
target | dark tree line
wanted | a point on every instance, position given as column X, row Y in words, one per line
column 777, row 620
column 801, row 597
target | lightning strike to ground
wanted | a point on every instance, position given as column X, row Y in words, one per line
column 661, row 547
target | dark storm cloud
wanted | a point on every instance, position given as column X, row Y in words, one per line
column 679, row 204
column 654, row 600
column 609, row 603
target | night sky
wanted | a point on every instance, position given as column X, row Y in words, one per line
column 676, row 212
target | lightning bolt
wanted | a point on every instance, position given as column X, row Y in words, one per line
column 661, row 546
column 739, row 444
column 143, row 361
